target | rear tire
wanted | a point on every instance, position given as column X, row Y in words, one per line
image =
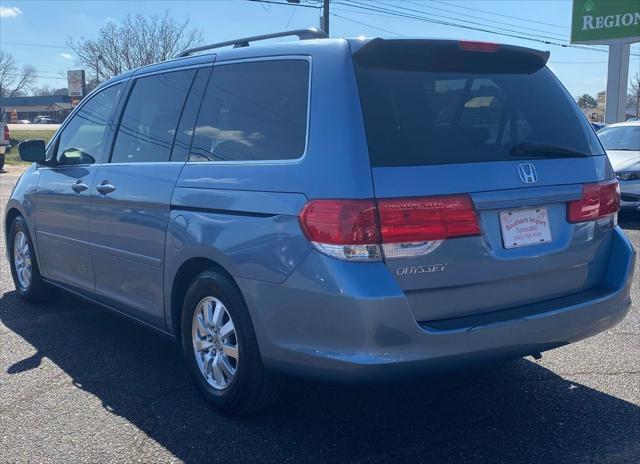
column 24, row 265
column 220, row 347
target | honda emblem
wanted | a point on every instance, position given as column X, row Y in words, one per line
column 527, row 173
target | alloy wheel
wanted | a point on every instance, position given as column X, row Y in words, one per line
column 22, row 259
column 215, row 344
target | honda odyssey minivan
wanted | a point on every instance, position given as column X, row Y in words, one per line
column 345, row 210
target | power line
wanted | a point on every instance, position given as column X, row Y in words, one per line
column 293, row 12
column 408, row 14
column 556, row 36
column 397, row 13
column 271, row 2
column 365, row 24
column 496, row 14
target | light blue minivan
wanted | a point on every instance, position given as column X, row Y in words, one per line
column 345, row 210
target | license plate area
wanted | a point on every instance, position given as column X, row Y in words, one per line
column 525, row 227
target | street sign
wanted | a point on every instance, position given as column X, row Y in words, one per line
column 605, row 21
column 75, row 82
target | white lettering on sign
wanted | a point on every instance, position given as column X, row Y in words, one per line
column 608, row 22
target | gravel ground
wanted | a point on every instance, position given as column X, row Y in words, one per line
column 78, row 384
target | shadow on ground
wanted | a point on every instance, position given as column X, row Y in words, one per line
column 518, row 412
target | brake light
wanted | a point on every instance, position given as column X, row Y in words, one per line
column 598, row 200
column 470, row 46
column 340, row 222
column 354, row 229
column 423, row 219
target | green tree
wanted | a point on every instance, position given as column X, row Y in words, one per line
column 587, row 101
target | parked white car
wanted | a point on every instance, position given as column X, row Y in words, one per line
column 622, row 143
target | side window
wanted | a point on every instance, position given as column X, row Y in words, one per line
column 253, row 111
column 83, row 138
column 150, row 118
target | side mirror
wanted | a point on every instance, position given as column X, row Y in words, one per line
column 32, row 150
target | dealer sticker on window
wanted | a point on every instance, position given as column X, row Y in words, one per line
column 525, row 227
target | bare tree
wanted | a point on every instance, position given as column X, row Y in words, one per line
column 635, row 92
column 137, row 41
column 45, row 90
column 14, row 81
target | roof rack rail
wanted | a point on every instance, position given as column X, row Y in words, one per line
column 302, row 34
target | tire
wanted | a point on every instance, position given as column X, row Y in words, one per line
column 1, row 162
column 33, row 289
column 250, row 386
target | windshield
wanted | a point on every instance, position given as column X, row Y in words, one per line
column 620, row 137
column 423, row 116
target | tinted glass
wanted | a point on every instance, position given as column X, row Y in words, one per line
column 253, row 111
column 620, row 138
column 422, row 116
column 82, row 140
column 184, row 134
column 149, row 121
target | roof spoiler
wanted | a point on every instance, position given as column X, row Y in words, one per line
column 302, row 34
column 440, row 55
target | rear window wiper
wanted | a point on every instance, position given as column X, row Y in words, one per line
column 544, row 149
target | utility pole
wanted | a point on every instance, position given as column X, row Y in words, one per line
column 325, row 16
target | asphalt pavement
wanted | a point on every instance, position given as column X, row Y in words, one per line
column 79, row 384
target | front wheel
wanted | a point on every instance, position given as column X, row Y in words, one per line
column 220, row 347
column 24, row 267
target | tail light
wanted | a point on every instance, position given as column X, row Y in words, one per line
column 470, row 46
column 598, row 200
column 355, row 229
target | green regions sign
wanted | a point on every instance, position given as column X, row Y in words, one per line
column 605, row 21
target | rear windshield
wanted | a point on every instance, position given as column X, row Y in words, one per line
column 419, row 115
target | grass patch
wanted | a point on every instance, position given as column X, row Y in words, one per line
column 18, row 136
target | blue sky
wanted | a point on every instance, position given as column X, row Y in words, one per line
column 35, row 32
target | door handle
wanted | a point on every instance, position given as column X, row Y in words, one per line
column 79, row 186
column 105, row 187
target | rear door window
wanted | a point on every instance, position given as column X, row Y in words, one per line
column 254, row 111
column 419, row 115
column 149, row 121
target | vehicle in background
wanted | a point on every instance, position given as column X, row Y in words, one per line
column 43, row 120
column 622, row 144
column 4, row 142
column 597, row 125
column 23, row 121
column 338, row 209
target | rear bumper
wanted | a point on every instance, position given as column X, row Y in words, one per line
column 329, row 322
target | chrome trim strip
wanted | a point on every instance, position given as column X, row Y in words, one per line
column 62, row 238
column 142, row 259
column 170, row 70
column 526, row 197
